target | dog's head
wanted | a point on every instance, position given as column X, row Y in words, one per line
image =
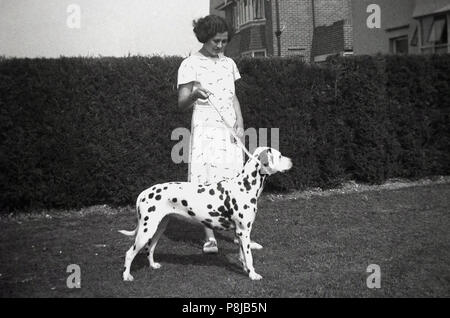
column 272, row 161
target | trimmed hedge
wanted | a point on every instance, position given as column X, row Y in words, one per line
column 83, row 131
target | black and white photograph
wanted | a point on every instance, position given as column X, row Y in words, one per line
column 224, row 153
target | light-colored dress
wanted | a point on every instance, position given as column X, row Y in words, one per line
column 213, row 153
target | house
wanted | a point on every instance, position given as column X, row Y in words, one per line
column 406, row 27
column 316, row 29
column 310, row 29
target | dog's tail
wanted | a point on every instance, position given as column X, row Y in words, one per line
column 132, row 233
column 129, row 233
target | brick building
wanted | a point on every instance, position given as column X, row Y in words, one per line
column 311, row 29
column 315, row 29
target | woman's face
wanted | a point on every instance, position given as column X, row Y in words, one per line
column 216, row 44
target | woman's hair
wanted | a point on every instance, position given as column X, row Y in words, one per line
column 206, row 28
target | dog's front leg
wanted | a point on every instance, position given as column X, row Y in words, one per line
column 246, row 253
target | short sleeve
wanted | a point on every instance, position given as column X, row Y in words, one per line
column 186, row 73
column 236, row 73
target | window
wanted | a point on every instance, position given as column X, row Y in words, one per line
column 399, row 45
column 247, row 11
column 437, row 31
column 435, row 34
column 254, row 53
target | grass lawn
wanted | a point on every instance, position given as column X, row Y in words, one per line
column 316, row 246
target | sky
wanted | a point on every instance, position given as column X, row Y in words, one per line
column 53, row 28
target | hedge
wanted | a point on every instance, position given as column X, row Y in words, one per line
column 83, row 131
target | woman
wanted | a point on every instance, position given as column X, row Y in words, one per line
column 213, row 154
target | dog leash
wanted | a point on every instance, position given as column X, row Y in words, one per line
column 231, row 131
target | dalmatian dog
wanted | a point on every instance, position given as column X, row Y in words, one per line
column 230, row 204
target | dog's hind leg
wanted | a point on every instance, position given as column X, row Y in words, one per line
column 145, row 233
column 151, row 245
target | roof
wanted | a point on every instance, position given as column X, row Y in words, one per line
column 430, row 7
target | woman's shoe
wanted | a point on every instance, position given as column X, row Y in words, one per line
column 210, row 247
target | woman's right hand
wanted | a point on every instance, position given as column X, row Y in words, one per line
column 200, row 92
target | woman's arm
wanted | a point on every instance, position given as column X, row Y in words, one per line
column 187, row 96
column 239, row 126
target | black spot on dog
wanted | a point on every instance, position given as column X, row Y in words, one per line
column 246, row 206
column 220, row 188
column 145, row 230
column 208, row 220
column 239, row 234
column 222, row 209
column 146, row 218
column 151, row 209
column 221, row 197
column 174, row 200
column 235, row 207
column 253, row 200
column 184, row 202
column 249, row 224
column 134, row 247
column 254, row 182
column 209, row 206
column 145, row 224
column 191, row 213
column 158, row 197
column 139, row 213
column 150, row 196
column 247, row 184
column 211, row 192
column 241, row 215
column 158, row 191
column 165, row 188
column 214, row 213
column 254, row 174
column 143, row 199
column 201, row 190
column 225, row 223
column 248, row 245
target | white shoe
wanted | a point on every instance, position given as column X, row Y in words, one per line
column 210, row 247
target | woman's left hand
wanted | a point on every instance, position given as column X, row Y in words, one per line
column 239, row 129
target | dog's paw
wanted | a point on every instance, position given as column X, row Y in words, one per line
column 127, row 277
column 155, row 265
column 254, row 276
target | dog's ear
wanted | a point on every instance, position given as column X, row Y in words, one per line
column 265, row 158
